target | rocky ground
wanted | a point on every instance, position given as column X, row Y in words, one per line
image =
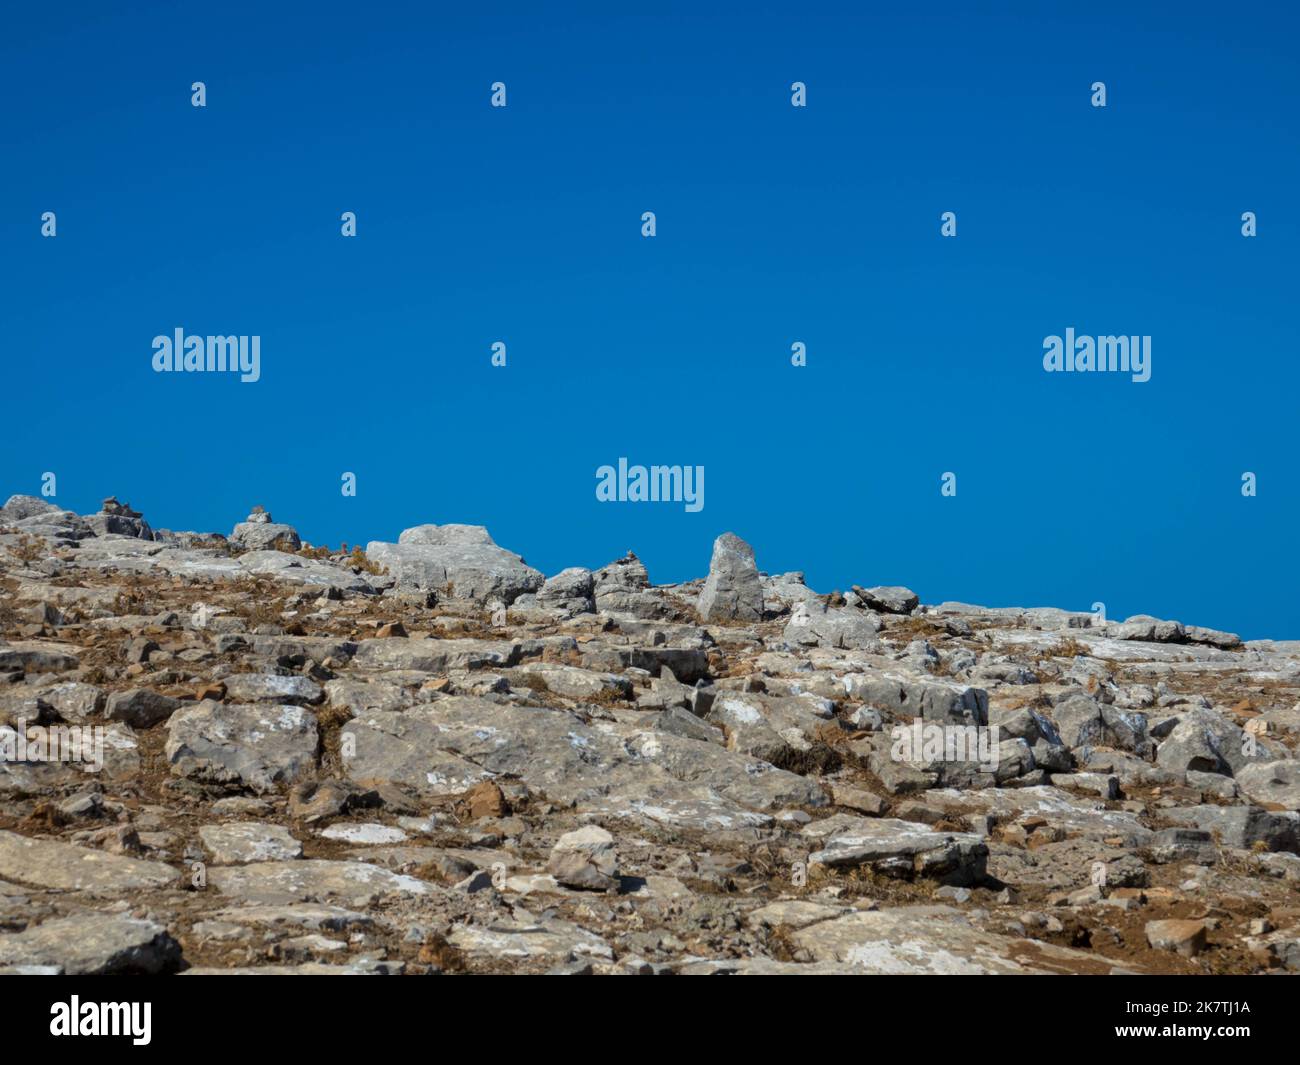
column 427, row 757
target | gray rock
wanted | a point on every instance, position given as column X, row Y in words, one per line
column 523, row 939
column 780, row 730
column 575, row 683
column 1149, row 629
column 434, row 656
column 623, row 589
column 930, row 698
column 905, row 849
column 452, row 743
column 571, row 591
column 354, row 884
column 19, row 507
column 75, row 701
column 1243, row 826
column 889, row 599
column 733, row 590
column 35, row 656
column 456, row 561
column 272, row 688
column 295, row 569
column 1183, row 845
column 93, row 944
column 1205, row 741
column 249, row 841
column 265, row 536
column 921, row 940
column 585, row 859
column 1276, row 783
column 253, row 746
column 1082, row 721
column 140, row 707
column 1227, row 641
column 118, row 519
column 65, row 867
column 813, row 624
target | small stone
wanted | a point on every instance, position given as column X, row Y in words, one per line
column 585, row 859
column 1184, row 937
column 484, row 800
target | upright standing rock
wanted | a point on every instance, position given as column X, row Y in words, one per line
column 733, row 591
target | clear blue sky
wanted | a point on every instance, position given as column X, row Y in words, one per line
column 775, row 224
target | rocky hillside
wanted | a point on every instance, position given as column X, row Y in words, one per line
column 427, row 756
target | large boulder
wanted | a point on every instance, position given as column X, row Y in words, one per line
column 250, row 746
column 1207, row 742
column 813, row 624
column 1145, row 628
column 1277, row 783
column 18, row 508
column 1084, row 722
column 925, row 697
column 118, row 519
column 93, row 944
column 1243, row 826
column 456, row 561
column 623, row 588
column 899, row 848
column 889, row 599
column 571, row 591
column 733, row 590
column 258, row 532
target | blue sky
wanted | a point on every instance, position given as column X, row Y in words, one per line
column 775, row 224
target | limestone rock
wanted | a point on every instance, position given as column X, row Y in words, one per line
column 733, row 590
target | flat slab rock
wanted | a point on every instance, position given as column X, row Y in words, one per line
column 904, row 848
column 363, row 965
column 938, row 940
column 355, row 884
column 459, row 561
column 452, row 743
column 524, row 939
column 67, row 867
column 248, row 841
column 92, row 944
column 1082, row 817
column 311, row 916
